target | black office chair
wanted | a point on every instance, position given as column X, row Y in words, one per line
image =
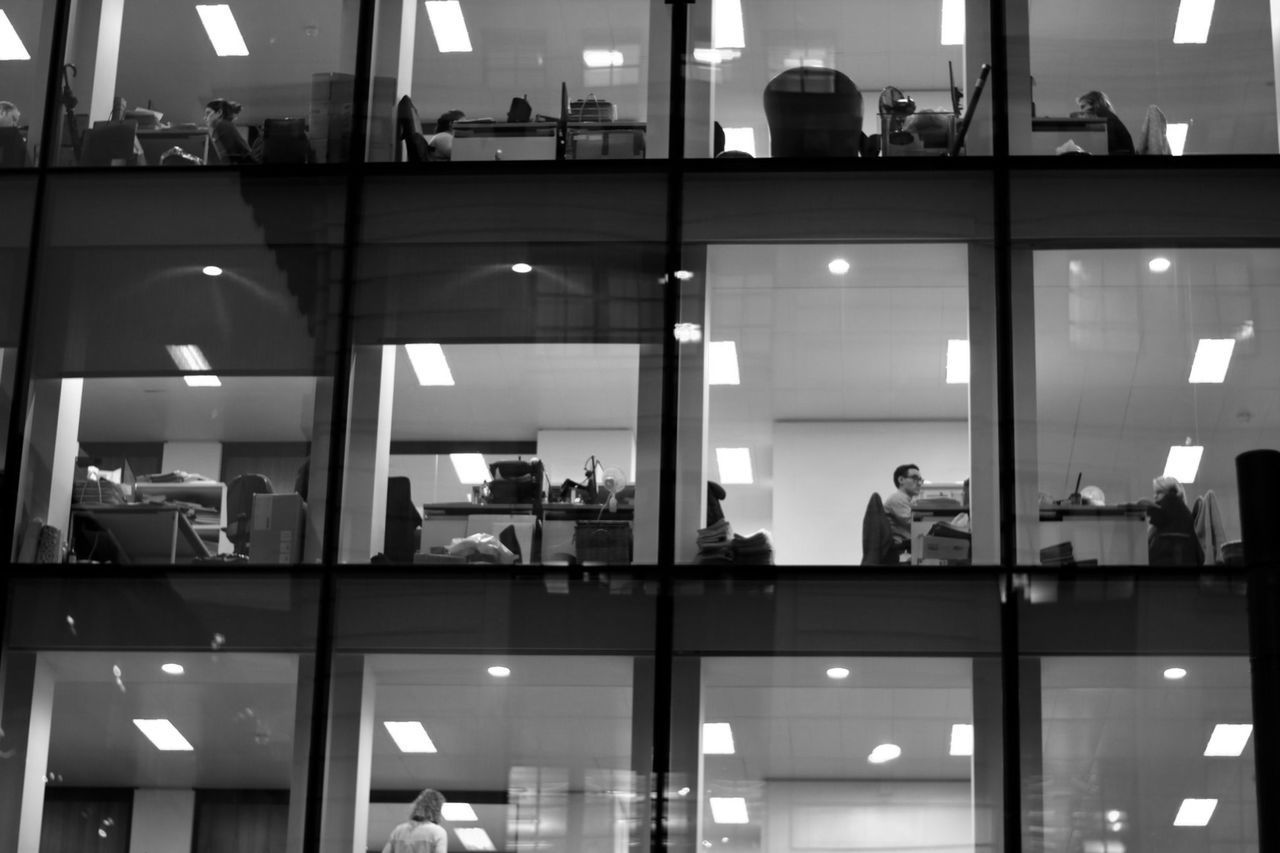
column 404, row 522
column 878, row 547
column 240, row 492
column 409, row 131
column 284, row 140
column 110, row 143
column 814, row 112
column 13, row 148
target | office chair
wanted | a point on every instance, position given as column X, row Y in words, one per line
column 110, row 143
column 878, row 548
column 814, row 112
column 284, row 140
column 240, row 492
column 409, row 131
column 404, row 523
column 13, row 148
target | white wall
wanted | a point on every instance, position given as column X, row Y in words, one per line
column 163, row 820
column 564, row 451
column 824, row 472
column 194, row 457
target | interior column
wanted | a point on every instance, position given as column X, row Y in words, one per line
column 368, row 456
column 49, row 463
column 984, row 419
column 1026, row 442
column 26, row 716
column 345, row 823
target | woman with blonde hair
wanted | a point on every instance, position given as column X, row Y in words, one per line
column 1171, row 538
column 422, row 832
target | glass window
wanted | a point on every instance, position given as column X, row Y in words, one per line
column 163, row 713
column 506, row 373
column 1153, row 371
column 181, row 376
column 536, row 80
column 26, row 36
column 219, row 84
column 798, row 724
column 823, row 78
column 541, row 742
column 15, row 226
column 1105, row 78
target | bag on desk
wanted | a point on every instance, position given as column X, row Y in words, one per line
column 520, row 110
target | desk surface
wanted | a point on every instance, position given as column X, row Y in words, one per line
column 1051, row 123
column 1058, row 513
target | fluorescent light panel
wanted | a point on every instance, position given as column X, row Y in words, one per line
column 449, row 27
column 1195, row 812
column 164, row 735
column 952, row 22
column 717, row 739
column 1228, row 739
column 458, row 811
column 726, row 24
column 740, row 139
column 961, row 739
column 1183, row 463
column 735, row 466
column 1177, row 135
column 1213, row 356
column 729, row 810
column 722, row 363
column 884, row 752
column 11, row 46
column 429, row 364
column 474, row 838
column 1194, row 18
column 470, row 468
column 601, row 58
column 957, row 362
column 188, row 357
column 714, row 56
column 202, row 380
column 223, row 32
column 410, row 736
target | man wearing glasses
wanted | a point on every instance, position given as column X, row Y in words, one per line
column 898, row 505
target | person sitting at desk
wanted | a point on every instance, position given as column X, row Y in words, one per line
column 219, row 116
column 1095, row 103
column 440, row 143
column 10, row 115
column 897, row 506
column 1171, row 540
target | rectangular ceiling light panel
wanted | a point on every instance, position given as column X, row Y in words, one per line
column 188, row 357
column 410, row 736
column 1176, row 133
column 722, row 359
column 735, row 466
column 474, row 838
column 448, row 26
column 717, row 739
column 727, row 30
column 1183, row 463
column 957, row 362
column 202, row 380
column 1195, row 812
column 11, row 46
column 740, row 139
column 961, row 739
column 729, row 810
column 1213, row 356
column 1228, row 740
column 458, row 811
column 602, row 58
column 429, row 364
column 164, row 735
column 952, row 22
column 470, row 468
column 223, row 32
column 1194, row 18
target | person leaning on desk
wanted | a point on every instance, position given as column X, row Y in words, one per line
column 1097, row 104
column 219, row 116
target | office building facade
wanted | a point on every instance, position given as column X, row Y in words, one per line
column 277, row 346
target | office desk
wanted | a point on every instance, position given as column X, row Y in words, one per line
column 1112, row 535
column 536, row 140
column 1049, row 132
column 135, row 534
column 444, row 522
column 156, row 142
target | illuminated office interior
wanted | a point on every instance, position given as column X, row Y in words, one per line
column 344, row 460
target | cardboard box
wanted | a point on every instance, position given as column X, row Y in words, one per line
column 946, row 548
column 278, row 528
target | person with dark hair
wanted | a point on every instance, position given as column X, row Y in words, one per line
column 1095, row 103
column 440, row 143
column 10, row 115
column 219, row 116
column 422, row 832
column 907, row 480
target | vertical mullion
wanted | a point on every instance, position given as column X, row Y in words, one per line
column 320, row 687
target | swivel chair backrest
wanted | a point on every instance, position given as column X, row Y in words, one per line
column 409, row 131
column 403, row 522
column 813, row 112
column 240, row 492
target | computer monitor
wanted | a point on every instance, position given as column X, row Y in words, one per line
column 13, row 147
column 109, row 143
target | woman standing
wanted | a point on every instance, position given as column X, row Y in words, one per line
column 422, row 832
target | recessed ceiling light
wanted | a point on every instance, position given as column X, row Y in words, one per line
column 726, row 24
column 499, row 671
column 429, row 364
column 212, row 271
column 223, row 32
column 172, row 668
column 202, row 380
column 884, row 752
column 410, row 736
column 1176, row 133
column 714, row 56
column 164, row 735
column 1213, row 356
column 1175, row 673
column 1194, row 812
column 735, row 466
column 717, row 739
column 521, row 268
column 474, row 838
column 740, row 139
column 458, row 812
column 1183, row 462
column 1228, row 739
column 729, row 810
column 722, row 363
column 957, row 362
column 961, row 739
column 839, row 266
column 1194, row 19
column 1114, row 815
column 838, row 672
column 597, row 58
column 952, row 22
column 470, row 468
column 687, row 333
column 449, row 27
column 683, row 275
column 11, row 46
column 188, row 357
column 684, row 792
column 1159, row 264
